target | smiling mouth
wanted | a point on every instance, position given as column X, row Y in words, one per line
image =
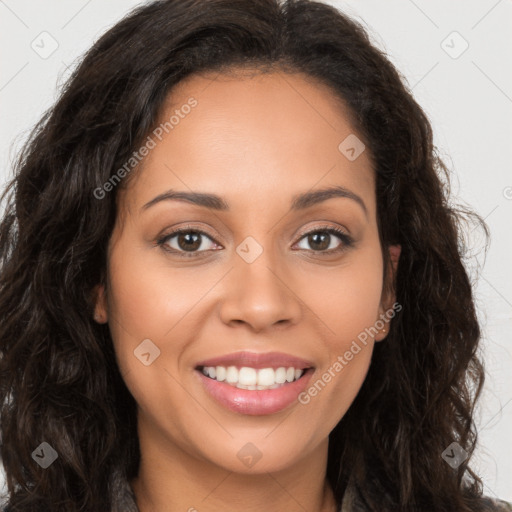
column 254, row 379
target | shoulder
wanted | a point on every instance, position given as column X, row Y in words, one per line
column 496, row 505
column 353, row 503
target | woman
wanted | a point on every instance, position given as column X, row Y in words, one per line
column 231, row 278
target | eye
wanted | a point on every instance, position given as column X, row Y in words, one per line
column 321, row 240
column 188, row 242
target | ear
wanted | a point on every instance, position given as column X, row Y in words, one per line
column 388, row 297
column 100, row 304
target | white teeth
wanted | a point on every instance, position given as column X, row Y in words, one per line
column 281, row 375
column 220, row 373
column 247, row 376
column 252, row 378
column 266, row 377
column 232, row 375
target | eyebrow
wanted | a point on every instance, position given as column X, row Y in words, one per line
column 299, row 202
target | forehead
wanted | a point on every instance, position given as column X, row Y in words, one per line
column 252, row 137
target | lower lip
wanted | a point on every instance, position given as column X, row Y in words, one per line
column 255, row 402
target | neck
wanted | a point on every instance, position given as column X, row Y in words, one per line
column 170, row 479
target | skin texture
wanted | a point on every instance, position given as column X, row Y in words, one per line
column 257, row 141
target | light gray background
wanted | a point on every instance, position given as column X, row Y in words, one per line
column 468, row 100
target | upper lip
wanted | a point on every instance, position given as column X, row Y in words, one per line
column 257, row 360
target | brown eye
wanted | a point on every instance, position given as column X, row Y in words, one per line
column 189, row 241
column 323, row 240
column 183, row 241
column 319, row 241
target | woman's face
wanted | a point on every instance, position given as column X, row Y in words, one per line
column 255, row 281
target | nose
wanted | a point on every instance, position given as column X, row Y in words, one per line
column 260, row 295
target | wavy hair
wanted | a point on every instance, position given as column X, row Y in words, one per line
column 59, row 380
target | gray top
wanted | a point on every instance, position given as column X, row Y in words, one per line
column 127, row 502
column 350, row 502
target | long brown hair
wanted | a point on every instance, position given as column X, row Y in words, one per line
column 59, row 382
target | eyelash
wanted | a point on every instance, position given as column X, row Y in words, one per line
column 347, row 241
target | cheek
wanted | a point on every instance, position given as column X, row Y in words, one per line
column 347, row 300
column 147, row 298
column 150, row 301
column 332, row 391
column 347, row 297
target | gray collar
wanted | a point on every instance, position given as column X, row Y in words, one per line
column 126, row 499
